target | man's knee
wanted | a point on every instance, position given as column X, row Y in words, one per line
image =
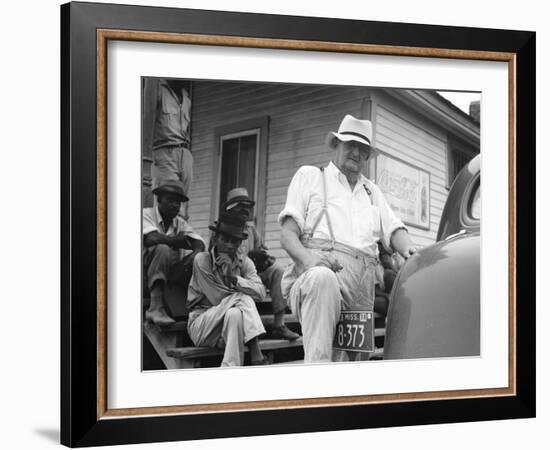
column 233, row 317
column 162, row 251
column 322, row 287
column 247, row 301
column 322, row 278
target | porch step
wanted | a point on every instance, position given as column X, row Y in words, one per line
column 266, row 345
column 187, row 357
column 175, row 349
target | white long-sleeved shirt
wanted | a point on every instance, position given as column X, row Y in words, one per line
column 358, row 219
column 152, row 221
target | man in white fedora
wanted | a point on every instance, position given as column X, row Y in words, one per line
column 331, row 223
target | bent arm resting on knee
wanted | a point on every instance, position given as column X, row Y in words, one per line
column 195, row 244
column 181, row 240
column 249, row 282
column 290, row 241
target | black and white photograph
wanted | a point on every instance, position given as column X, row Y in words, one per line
column 291, row 224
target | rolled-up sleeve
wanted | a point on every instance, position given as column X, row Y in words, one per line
column 389, row 222
column 296, row 199
column 149, row 224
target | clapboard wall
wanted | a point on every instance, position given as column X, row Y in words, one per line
column 406, row 135
column 299, row 119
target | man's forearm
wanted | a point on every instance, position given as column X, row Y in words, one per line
column 178, row 241
column 196, row 245
column 290, row 241
column 156, row 238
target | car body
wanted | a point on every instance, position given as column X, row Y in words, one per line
column 435, row 301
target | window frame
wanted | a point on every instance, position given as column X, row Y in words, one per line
column 454, row 145
column 259, row 126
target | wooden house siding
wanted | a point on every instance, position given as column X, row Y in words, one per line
column 408, row 136
column 300, row 116
column 299, row 119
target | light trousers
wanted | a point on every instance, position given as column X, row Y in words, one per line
column 230, row 325
column 318, row 295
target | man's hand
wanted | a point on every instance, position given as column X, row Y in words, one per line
column 409, row 252
column 402, row 243
column 180, row 240
column 326, row 260
column 303, row 257
column 225, row 263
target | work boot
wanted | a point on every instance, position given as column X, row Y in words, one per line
column 283, row 332
column 159, row 317
column 157, row 314
column 261, row 362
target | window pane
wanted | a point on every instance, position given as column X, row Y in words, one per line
column 230, row 155
column 475, row 205
column 247, row 164
column 459, row 161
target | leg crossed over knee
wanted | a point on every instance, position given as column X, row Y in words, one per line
column 233, row 317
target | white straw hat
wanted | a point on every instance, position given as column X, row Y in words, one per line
column 352, row 129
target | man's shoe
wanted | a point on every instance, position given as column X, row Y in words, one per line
column 283, row 332
column 261, row 362
column 159, row 318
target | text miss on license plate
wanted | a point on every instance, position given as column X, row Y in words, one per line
column 355, row 331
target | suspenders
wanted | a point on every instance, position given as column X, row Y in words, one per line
column 324, row 211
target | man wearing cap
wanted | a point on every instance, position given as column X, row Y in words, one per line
column 166, row 237
column 222, row 295
column 331, row 223
column 270, row 272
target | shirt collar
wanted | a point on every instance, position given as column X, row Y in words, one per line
column 160, row 220
column 165, row 84
column 333, row 171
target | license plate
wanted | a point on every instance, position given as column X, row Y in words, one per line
column 355, row 331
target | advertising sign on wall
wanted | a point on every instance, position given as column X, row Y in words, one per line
column 406, row 188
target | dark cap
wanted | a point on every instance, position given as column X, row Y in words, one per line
column 171, row 187
column 230, row 224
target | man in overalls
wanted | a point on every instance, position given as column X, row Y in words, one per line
column 331, row 223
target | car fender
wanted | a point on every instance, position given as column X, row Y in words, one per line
column 435, row 306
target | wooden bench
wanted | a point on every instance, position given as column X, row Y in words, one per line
column 188, row 357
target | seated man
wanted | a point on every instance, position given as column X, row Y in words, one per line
column 165, row 238
column 271, row 273
column 221, row 296
column 331, row 223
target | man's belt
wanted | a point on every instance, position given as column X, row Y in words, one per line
column 185, row 144
column 328, row 245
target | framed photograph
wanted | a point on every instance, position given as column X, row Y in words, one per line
column 268, row 220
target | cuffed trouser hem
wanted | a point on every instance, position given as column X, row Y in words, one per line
column 271, row 278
